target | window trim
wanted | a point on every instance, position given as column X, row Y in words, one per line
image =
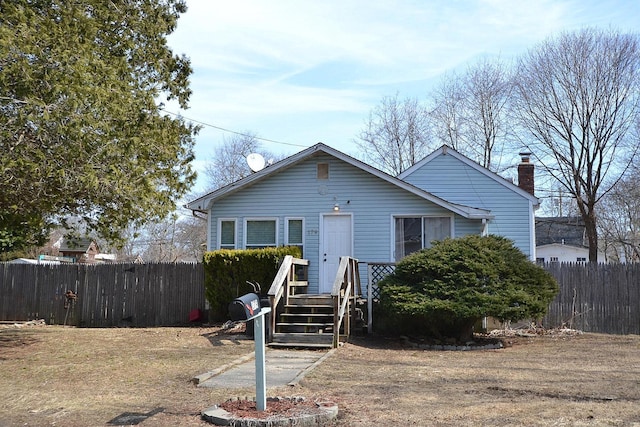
column 451, row 222
column 286, row 231
column 219, row 232
column 260, row 218
column 322, row 171
column 451, row 217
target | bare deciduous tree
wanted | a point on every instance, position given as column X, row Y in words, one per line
column 577, row 98
column 229, row 160
column 487, row 87
column 469, row 110
column 174, row 239
column 447, row 114
column 192, row 237
column 619, row 219
column 396, row 135
column 560, row 203
column 159, row 240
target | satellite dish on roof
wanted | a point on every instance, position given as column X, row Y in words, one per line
column 256, row 162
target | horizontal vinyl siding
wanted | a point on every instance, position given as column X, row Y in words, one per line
column 464, row 227
column 447, row 177
column 296, row 192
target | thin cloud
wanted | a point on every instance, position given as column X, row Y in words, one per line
column 290, row 70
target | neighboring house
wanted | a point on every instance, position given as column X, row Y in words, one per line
column 566, row 230
column 106, row 258
column 332, row 205
column 562, row 239
column 557, row 252
column 82, row 250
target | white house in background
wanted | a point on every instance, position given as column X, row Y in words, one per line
column 32, row 261
column 332, row 205
column 562, row 239
column 557, row 252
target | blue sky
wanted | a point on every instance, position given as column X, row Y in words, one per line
column 302, row 72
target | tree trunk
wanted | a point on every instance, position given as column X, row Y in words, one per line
column 466, row 330
column 592, row 234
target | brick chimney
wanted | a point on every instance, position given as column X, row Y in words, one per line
column 525, row 173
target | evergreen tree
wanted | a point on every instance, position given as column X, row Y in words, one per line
column 81, row 133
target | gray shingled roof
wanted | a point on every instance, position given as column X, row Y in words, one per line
column 75, row 245
column 568, row 230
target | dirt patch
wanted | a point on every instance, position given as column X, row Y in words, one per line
column 13, row 340
column 575, row 397
column 79, row 377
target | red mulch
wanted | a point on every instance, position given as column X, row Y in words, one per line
column 281, row 407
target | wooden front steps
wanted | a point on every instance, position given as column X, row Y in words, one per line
column 306, row 321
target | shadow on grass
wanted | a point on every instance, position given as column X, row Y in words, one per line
column 479, row 342
column 14, row 338
column 226, row 336
column 378, row 342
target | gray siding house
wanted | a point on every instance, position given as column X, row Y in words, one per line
column 333, row 205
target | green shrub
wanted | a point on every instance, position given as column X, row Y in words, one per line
column 444, row 290
column 227, row 271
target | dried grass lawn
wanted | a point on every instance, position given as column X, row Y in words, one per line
column 52, row 375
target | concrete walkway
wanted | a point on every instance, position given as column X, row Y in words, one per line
column 283, row 367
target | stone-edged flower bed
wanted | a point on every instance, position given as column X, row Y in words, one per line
column 280, row 411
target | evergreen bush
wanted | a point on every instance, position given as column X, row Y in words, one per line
column 226, row 273
column 444, row 290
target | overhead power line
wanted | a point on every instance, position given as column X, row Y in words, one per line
column 233, row 131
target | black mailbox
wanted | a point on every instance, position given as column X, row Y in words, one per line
column 244, row 307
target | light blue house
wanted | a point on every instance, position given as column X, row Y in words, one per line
column 333, row 205
column 458, row 179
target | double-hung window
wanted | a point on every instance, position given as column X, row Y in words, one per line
column 261, row 233
column 294, row 233
column 227, row 234
column 413, row 233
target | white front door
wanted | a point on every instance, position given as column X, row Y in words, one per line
column 337, row 241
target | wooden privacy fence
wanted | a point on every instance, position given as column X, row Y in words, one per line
column 601, row 298
column 140, row 295
column 596, row 297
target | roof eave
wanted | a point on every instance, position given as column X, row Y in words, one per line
column 204, row 202
column 446, row 150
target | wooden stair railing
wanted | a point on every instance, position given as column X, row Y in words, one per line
column 284, row 285
column 305, row 320
column 346, row 288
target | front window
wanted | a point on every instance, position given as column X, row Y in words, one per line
column 227, row 233
column 295, row 233
column 415, row 233
column 261, row 233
